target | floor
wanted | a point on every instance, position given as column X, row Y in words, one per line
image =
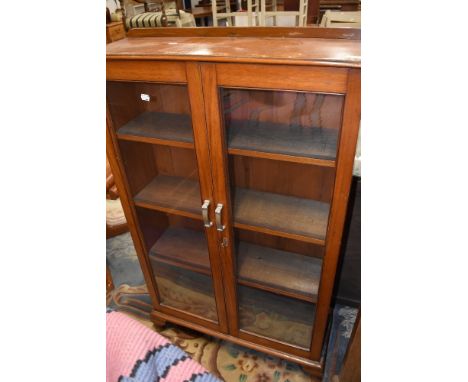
column 232, row 363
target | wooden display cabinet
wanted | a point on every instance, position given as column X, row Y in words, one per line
column 115, row 31
column 234, row 161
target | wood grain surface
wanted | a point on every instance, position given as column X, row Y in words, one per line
column 163, row 126
column 279, row 177
column 148, row 71
column 331, row 52
column 282, row 228
column 282, row 139
column 282, row 77
column 344, row 173
column 284, row 32
column 288, row 214
column 284, row 273
column 276, row 317
column 170, row 193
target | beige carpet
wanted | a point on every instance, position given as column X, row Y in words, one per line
column 231, row 363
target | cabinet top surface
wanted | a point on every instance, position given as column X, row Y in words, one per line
column 305, row 51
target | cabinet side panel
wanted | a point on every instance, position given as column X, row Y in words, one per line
column 347, row 148
column 129, row 210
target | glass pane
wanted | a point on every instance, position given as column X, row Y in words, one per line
column 154, row 131
column 157, row 111
column 278, row 281
column 278, row 317
column 185, row 290
column 281, row 152
column 178, row 253
column 283, row 122
column 282, row 146
column 284, row 266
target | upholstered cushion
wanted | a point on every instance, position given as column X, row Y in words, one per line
column 153, row 19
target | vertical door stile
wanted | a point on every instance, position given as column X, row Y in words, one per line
column 129, row 210
column 343, row 177
column 202, row 148
column 221, row 189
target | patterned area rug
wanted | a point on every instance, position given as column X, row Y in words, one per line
column 230, row 362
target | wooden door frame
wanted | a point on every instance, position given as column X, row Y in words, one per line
column 343, row 177
column 344, row 81
column 189, row 77
column 221, row 189
column 203, row 154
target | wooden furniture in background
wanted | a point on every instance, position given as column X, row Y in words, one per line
column 115, row 31
column 338, row 5
column 316, row 8
column 339, row 19
column 251, row 12
column 109, row 281
column 158, row 13
column 203, row 14
column 260, row 13
column 270, row 10
column 234, row 161
column 312, row 9
column 116, row 223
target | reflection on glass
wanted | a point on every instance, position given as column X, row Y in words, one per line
column 282, row 122
column 277, row 317
column 154, row 131
column 178, row 253
column 185, row 290
column 150, row 110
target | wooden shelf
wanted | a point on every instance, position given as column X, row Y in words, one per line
column 284, row 273
column 184, row 248
column 276, row 317
column 159, row 128
column 175, row 195
column 282, row 142
column 185, row 291
column 286, row 216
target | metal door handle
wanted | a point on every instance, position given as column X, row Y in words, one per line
column 219, row 225
column 206, row 219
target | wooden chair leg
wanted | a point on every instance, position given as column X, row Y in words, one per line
column 109, row 281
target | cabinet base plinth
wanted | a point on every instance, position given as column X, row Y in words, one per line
column 314, row 368
column 158, row 322
column 313, row 373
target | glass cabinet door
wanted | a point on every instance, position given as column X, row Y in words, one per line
column 153, row 126
column 281, row 148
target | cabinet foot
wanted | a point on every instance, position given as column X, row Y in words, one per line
column 158, row 323
column 312, row 372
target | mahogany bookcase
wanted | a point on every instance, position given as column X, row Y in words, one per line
column 233, row 151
